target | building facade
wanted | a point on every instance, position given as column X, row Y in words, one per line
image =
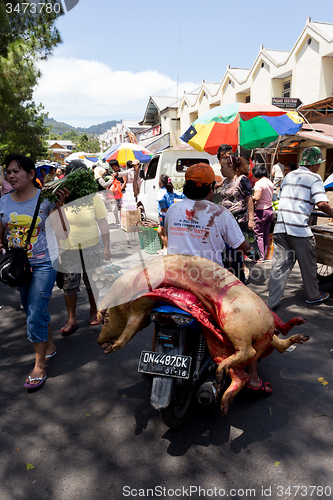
column 305, row 74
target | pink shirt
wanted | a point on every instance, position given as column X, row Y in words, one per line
column 266, row 187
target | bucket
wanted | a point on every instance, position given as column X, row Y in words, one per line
column 149, row 239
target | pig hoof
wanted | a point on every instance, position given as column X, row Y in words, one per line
column 108, row 347
column 225, row 410
column 300, row 339
column 102, row 317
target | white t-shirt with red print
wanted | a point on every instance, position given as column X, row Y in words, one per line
column 201, row 228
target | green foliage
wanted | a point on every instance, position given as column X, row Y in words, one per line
column 71, row 136
column 80, row 184
column 88, row 144
column 25, row 38
column 53, row 137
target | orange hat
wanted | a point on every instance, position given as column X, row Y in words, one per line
column 200, row 173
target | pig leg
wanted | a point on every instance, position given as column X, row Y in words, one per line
column 284, row 328
column 238, row 379
column 282, row 344
column 243, row 355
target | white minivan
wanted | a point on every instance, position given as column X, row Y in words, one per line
column 172, row 162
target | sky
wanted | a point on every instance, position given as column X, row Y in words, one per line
column 115, row 55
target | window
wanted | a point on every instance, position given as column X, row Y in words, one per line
column 248, row 98
column 286, row 89
column 183, row 164
column 152, row 167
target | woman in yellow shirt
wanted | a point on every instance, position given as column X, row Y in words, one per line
column 82, row 252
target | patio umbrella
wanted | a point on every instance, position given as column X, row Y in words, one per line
column 90, row 159
column 329, row 182
column 127, row 151
column 250, row 125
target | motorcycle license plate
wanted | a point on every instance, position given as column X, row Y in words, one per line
column 169, row 365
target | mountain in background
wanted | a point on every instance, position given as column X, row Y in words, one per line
column 61, row 127
column 100, row 128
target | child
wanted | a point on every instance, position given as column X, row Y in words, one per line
column 165, row 198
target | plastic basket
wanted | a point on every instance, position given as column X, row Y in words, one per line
column 149, row 239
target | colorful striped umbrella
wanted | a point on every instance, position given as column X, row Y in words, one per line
column 127, row 151
column 250, row 125
column 329, row 182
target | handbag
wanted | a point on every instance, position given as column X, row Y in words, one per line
column 251, row 238
column 15, row 267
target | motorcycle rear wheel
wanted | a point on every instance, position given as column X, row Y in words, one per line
column 177, row 412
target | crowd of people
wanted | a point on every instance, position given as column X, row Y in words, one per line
column 82, row 237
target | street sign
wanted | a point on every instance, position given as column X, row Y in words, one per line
column 286, row 102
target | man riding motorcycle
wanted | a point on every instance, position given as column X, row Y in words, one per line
column 196, row 226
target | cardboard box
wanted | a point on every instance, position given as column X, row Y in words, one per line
column 129, row 219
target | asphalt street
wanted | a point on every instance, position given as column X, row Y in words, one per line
column 91, row 434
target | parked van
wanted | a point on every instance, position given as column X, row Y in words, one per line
column 172, row 162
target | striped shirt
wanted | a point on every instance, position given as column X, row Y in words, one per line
column 300, row 191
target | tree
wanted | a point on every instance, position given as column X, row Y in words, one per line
column 25, row 38
column 71, row 136
column 88, row 144
column 53, row 137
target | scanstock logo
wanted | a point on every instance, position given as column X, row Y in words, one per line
column 70, row 4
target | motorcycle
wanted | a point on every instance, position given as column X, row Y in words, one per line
column 180, row 364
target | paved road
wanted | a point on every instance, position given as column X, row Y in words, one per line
column 91, row 434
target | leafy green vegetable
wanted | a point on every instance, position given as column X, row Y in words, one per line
column 80, row 183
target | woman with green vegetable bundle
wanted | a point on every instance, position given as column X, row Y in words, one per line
column 81, row 253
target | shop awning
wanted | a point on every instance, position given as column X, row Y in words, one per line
column 157, row 143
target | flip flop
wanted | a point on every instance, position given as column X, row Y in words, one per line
column 35, row 386
column 93, row 322
column 260, row 391
column 317, row 301
column 49, row 357
column 69, row 328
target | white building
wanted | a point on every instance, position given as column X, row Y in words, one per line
column 124, row 131
column 305, row 73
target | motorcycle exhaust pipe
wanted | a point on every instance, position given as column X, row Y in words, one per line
column 208, row 392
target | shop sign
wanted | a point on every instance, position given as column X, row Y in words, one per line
column 286, row 102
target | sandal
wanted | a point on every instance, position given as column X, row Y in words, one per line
column 35, row 386
column 69, row 328
column 324, row 296
column 94, row 322
column 48, row 357
column 264, row 390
